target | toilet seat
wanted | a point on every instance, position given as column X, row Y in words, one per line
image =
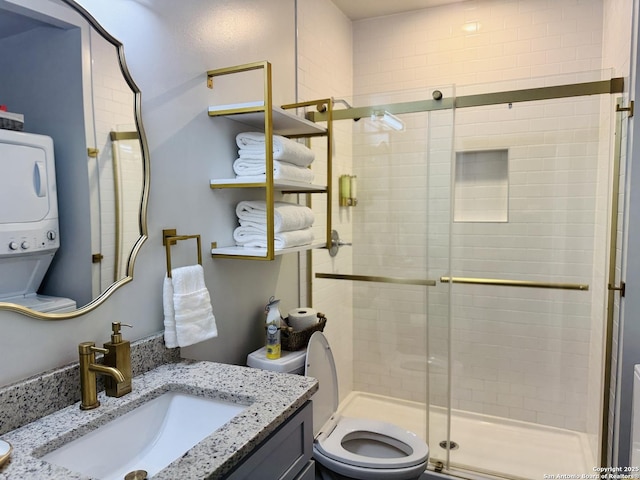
column 356, row 447
column 410, row 449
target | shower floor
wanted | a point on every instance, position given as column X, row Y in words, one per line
column 489, row 445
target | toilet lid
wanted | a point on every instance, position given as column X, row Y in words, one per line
column 321, row 366
column 411, row 449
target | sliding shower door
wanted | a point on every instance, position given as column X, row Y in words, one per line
column 399, row 227
column 529, row 262
column 477, row 274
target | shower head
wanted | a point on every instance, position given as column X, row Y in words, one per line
column 342, row 101
column 345, row 103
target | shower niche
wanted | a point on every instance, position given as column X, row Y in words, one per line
column 481, row 186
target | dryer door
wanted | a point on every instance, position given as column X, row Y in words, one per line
column 24, row 189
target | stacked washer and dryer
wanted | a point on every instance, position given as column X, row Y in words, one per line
column 29, row 232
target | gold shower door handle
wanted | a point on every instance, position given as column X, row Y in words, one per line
column 377, row 279
column 515, row 283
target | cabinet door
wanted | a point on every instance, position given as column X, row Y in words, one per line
column 284, row 455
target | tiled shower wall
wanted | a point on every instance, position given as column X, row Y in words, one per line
column 113, row 111
column 324, row 70
column 521, row 354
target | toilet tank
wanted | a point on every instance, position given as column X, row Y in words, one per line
column 289, row 362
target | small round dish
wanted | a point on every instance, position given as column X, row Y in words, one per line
column 5, row 451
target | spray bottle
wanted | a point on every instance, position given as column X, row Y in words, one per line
column 273, row 329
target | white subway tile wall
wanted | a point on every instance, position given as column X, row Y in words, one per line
column 114, row 111
column 519, row 353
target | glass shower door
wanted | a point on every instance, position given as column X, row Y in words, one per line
column 399, row 230
column 477, row 278
column 528, row 262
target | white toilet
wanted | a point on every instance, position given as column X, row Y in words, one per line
column 347, row 448
column 355, row 448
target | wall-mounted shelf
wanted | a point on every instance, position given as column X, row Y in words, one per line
column 284, row 123
column 263, row 116
column 283, row 186
column 260, row 253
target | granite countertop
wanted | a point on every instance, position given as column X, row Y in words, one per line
column 272, row 398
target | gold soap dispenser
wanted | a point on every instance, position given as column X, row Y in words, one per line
column 119, row 357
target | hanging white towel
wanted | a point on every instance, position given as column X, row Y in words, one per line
column 193, row 319
column 252, row 146
column 286, row 216
column 170, row 338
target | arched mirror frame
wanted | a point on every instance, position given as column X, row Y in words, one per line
column 142, row 218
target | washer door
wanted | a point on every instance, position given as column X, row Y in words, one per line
column 321, row 366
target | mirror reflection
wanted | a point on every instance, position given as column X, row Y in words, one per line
column 73, row 171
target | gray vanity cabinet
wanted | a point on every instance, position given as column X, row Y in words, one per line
column 285, row 454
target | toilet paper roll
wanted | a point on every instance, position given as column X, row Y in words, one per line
column 302, row 317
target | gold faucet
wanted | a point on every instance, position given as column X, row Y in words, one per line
column 88, row 370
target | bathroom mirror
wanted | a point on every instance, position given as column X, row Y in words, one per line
column 66, row 78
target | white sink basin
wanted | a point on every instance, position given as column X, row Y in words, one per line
column 148, row 438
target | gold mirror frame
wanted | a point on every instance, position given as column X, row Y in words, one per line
column 142, row 219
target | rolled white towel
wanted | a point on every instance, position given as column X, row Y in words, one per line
column 256, row 169
column 252, row 237
column 252, row 146
column 287, row 217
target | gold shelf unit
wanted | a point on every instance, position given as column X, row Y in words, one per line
column 272, row 120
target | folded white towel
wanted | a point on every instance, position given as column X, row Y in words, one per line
column 257, row 169
column 192, row 315
column 252, row 237
column 252, row 146
column 287, row 217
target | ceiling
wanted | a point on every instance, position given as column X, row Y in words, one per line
column 359, row 9
column 12, row 24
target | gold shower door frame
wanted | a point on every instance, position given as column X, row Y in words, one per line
column 612, row 86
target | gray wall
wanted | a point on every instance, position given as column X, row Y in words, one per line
column 169, row 46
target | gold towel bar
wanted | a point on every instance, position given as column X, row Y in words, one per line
column 515, row 283
column 169, row 238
